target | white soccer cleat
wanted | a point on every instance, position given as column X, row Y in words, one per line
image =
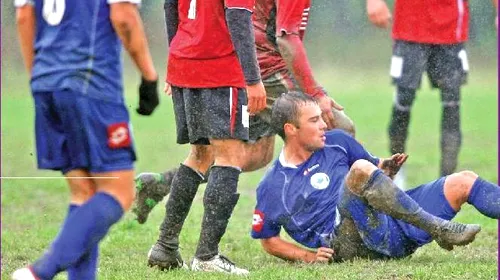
column 24, row 273
column 218, row 263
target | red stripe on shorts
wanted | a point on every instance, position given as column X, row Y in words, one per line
column 233, row 92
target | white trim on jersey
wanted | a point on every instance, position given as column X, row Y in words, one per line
column 137, row 2
column 283, row 161
column 239, row 8
column 20, row 3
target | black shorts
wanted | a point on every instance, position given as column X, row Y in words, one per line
column 446, row 65
column 210, row 113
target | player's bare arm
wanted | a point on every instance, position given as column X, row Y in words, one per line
column 291, row 252
column 239, row 22
column 128, row 25
column 294, row 53
column 378, row 13
column 391, row 165
column 25, row 18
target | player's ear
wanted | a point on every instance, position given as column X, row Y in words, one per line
column 290, row 129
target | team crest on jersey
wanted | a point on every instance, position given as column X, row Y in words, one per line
column 320, row 181
column 258, row 221
column 118, row 135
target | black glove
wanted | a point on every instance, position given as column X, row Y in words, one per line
column 148, row 97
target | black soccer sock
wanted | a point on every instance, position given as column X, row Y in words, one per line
column 381, row 194
column 485, row 197
column 219, row 201
column 400, row 119
column 451, row 135
column 184, row 187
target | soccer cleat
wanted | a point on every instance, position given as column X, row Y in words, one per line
column 24, row 273
column 151, row 189
column 452, row 233
column 165, row 259
column 218, row 263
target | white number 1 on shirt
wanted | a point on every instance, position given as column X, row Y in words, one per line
column 192, row 10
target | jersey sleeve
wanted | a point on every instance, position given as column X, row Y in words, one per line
column 290, row 15
column 137, row 2
column 262, row 225
column 352, row 147
column 20, row 3
column 240, row 4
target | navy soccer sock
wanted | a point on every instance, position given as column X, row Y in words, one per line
column 219, row 201
column 485, row 197
column 81, row 233
column 86, row 268
column 184, row 187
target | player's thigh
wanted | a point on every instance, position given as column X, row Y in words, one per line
column 408, row 62
column 448, row 67
column 119, row 184
column 214, row 113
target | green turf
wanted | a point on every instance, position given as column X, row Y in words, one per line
column 32, row 210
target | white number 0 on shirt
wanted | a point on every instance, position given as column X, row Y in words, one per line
column 192, row 10
column 53, row 11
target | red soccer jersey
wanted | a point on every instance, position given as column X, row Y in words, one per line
column 201, row 54
column 431, row 21
column 272, row 18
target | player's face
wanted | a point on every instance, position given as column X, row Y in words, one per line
column 311, row 134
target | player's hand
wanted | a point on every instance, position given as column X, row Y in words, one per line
column 391, row 165
column 378, row 13
column 256, row 98
column 323, row 255
column 167, row 89
column 326, row 104
column 148, row 97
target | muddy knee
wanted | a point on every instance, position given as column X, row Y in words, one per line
column 342, row 121
column 358, row 175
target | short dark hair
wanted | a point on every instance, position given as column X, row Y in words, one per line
column 286, row 110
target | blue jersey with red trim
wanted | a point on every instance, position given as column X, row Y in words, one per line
column 303, row 199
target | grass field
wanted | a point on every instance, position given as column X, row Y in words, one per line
column 32, row 210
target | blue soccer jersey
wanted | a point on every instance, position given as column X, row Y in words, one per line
column 303, row 199
column 76, row 48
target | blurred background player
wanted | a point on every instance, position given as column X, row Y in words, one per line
column 428, row 36
column 215, row 85
column 328, row 192
column 71, row 50
column 279, row 28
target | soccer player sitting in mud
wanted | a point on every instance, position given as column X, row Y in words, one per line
column 329, row 193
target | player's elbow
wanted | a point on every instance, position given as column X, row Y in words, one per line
column 123, row 16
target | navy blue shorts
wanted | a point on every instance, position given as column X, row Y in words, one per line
column 392, row 237
column 77, row 132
